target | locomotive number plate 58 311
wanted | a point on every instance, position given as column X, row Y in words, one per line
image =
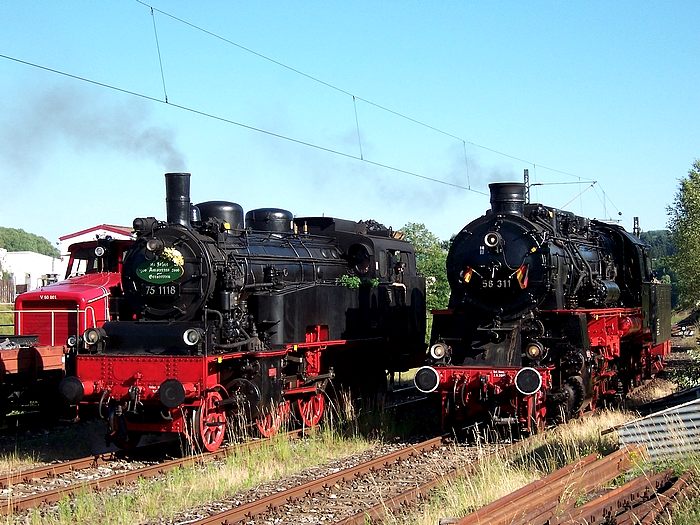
column 496, row 283
column 160, row 290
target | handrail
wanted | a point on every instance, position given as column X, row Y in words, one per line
column 94, row 320
column 77, row 311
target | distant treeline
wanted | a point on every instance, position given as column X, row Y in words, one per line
column 662, row 249
column 660, row 242
column 16, row 240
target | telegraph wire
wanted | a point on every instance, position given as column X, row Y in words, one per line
column 239, row 124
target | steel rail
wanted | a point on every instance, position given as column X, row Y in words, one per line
column 675, row 494
column 647, row 512
column 542, row 496
column 609, row 504
column 11, row 505
column 545, row 504
column 54, row 470
column 269, row 503
column 410, row 496
column 514, row 504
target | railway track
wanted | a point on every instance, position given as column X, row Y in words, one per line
column 366, row 491
column 344, row 496
column 30, row 488
column 372, row 491
column 551, row 500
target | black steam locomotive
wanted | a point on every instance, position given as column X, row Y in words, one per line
column 223, row 319
column 549, row 313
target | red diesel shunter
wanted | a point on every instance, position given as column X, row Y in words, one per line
column 49, row 320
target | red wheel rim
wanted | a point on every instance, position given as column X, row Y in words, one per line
column 311, row 409
column 210, row 422
column 269, row 424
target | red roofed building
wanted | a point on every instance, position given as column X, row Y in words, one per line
column 89, row 234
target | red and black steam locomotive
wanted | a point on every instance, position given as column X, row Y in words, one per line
column 223, row 320
column 549, row 313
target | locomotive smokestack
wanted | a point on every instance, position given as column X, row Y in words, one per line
column 177, row 198
column 508, row 198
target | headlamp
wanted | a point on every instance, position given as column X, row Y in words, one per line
column 92, row 336
column 155, row 246
column 438, row 351
column 493, row 239
column 534, row 350
column 191, row 336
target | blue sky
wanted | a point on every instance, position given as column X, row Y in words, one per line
column 604, row 91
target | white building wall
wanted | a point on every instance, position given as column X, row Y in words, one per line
column 29, row 267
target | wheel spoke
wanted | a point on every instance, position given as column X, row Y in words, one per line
column 311, row 409
column 269, row 423
column 210, row 422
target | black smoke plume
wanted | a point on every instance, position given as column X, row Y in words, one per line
column 46, row 120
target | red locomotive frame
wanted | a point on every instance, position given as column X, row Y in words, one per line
column 464, row 389
column 202, row 411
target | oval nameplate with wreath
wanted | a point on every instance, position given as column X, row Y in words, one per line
column 165, row 269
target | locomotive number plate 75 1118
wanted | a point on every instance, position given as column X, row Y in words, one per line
column 160, row 290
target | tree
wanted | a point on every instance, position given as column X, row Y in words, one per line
column 661, row 243
column 431, row 254
column 684, row 223
column 16, row 240
column 662, row 251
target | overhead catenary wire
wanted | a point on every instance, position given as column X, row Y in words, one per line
column 353, row 95
column 579, row 194
column 382, row 107
column 357, row 127
column 466, row 164
column 239, row 124
column 160, row 59
column 361, row 157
